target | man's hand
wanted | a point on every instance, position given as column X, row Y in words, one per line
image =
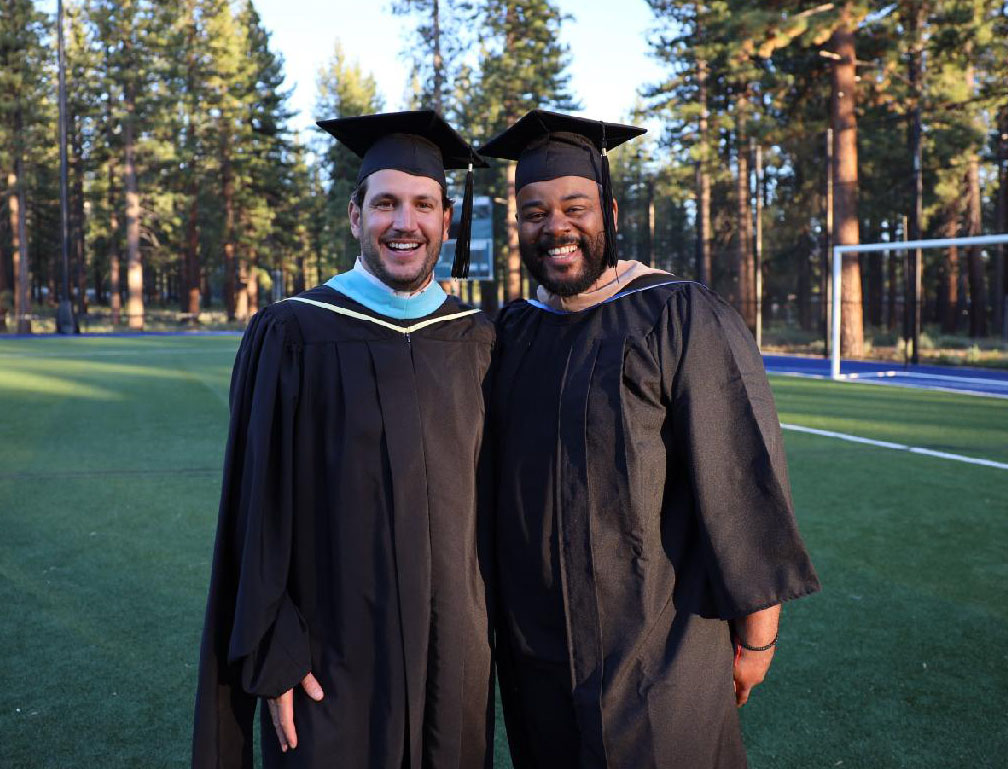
column 757, row 629
column 282, row 711
column 750, row 669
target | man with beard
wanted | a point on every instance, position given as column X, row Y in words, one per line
column 348, row 591
column 645, row 534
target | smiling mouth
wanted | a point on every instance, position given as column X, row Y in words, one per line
column 402, row 246
column 562, row 254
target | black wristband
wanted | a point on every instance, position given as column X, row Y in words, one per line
column 769, row 646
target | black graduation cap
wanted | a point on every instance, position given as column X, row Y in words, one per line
column 418, row 142
column 548, row 145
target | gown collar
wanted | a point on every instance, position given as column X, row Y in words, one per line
column 363, row 287
column 626, row 272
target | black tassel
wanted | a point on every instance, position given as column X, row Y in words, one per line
column 611, row 252
column 460, row 266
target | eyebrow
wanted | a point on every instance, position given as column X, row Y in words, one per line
column 564, row 199
column 394, row 196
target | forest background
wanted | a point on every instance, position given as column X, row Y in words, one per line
column 783, row 128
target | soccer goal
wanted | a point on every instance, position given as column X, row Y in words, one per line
column 904, row 245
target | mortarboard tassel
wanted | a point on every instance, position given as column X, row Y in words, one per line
column 611, row 253
column 460, row 266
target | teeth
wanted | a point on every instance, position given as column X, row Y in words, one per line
column 563, row 250
column 399, row 245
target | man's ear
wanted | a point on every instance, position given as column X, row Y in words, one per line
column 615, row 213
column 354, row 212
column 447, row 221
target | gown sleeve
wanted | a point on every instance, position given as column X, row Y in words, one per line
column 255, row 642
column 726, row 431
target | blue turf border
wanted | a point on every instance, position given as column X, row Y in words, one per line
column 992, row 382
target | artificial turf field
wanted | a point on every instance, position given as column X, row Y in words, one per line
column 110, row 452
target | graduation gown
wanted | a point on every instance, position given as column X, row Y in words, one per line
column 643, row 500
column 347, row 541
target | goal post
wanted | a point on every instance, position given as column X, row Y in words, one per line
column 895, row 245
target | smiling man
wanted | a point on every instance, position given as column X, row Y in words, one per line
column 645, row 534
column 347, row 595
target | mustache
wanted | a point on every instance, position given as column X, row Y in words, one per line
column 397, row 234
column 547, row 242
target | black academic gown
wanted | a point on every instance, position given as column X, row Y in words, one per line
column 347, row 542
column 643, row 500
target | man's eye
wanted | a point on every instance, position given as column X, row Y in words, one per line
column 576, row 210
column 534, row 216
column 423, row 206
column 385, row 205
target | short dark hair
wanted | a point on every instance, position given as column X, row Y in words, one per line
column 360, row 192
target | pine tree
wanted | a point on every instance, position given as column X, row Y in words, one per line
column 195, row 119
column 343, row 89
column 229, row 132
column 978, row 20
column 997, row 76
column 129, row 25
column 436, row 48
column 22, row 59
column 267, row 157
column 684, row 39
column 522, row 67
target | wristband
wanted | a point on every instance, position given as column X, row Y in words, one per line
column 744, row 645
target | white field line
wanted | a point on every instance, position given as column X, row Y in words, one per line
column 884, row 379
column 921, row 375
column 896, row 446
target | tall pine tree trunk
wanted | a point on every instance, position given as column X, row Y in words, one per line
column 845, row 199
column 19, row 243
column 437, row 68
column 875, row 286
column 242, row 288
column 439, row 76
column 243, row 276
column 227, row 189
column 115, row 289
column 975, row 264
column 252, row 288
column 703, row 185
column 949, row 289
column 191, row 265
column 745, row 293
column 651, row 256
column 804, row 291
column 19, row 229
column 5, row 284
column 299, row 273
column 974, row 224
column 79, row 250
column 892, row 319
column 914, row 260
column 513, row 286
column 115, row 295
column 134, row 264
column 1000, row 287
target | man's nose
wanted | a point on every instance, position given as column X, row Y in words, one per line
column 557, row 223
column 405, row 218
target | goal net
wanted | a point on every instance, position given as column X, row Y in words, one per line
column 906, row 245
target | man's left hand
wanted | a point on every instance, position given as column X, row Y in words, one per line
column 749, row 670
column 758, row 629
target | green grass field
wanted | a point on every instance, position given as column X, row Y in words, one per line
column 110, row 454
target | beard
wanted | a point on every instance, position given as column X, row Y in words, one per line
column 593, row 265
column 371, row 256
